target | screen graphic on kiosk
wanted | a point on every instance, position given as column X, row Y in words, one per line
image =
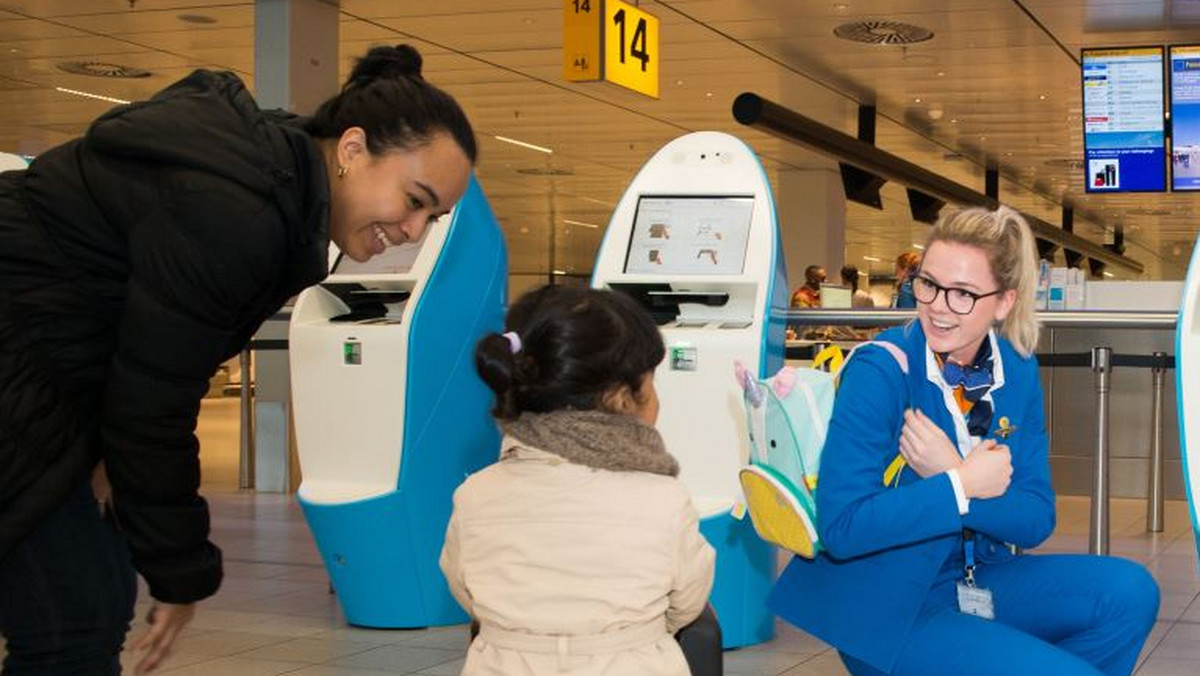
column 1185, row 117
column 395, row 260
column 1123, row 132
column 678, row 235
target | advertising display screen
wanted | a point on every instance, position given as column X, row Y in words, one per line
column 1185, row 117
column 1123, row 129
column 690, row 235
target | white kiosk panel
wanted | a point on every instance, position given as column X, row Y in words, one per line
column 353, row 444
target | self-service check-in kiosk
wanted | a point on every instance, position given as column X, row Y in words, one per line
column 695, row 240
column 1187, row 377
column 390, row 414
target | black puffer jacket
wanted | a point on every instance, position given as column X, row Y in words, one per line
column 133, row 262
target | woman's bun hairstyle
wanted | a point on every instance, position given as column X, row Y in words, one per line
column 385, row 63
column 388, row 98
column 570, row 348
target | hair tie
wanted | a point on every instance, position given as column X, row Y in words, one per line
column 514, row 341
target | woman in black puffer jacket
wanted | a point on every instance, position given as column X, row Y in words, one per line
column 133, row 261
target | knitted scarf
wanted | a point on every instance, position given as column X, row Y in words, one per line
column 610, row 441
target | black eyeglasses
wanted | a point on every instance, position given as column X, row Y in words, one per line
column 960, row 301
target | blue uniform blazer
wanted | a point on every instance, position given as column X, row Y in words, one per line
column 886, row 545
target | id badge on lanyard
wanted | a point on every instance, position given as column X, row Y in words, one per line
column 972, row 599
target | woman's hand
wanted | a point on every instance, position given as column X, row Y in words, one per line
column 926, row 447
column 166, row 621
column 987, row 471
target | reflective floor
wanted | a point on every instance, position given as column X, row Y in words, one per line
column 275, row 615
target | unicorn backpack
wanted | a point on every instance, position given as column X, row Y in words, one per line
column 788, row 416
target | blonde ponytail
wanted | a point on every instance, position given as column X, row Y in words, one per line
column 1009, row 245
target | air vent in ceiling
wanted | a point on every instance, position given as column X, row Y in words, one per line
column 882, row 32
column 101, row 69
column 1148, row 211
column 546, row 171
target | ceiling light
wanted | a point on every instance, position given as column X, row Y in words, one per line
column 917, row 100
column 523, row 144
column 595, row 201
column 89, row 95
column 524, row 231
column 863, row 274
column 708, row 95
column 1041, row 97
column 679, row 83
column 559, row 273
column 954, row 120
column 872, row 259
column 918, row 247
column 1108, row 274
column 581, row 224
column 941, row 73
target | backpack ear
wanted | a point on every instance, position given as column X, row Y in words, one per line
column 784, row 381
column 753, row 393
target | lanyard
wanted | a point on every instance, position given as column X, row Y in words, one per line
column 969, row 556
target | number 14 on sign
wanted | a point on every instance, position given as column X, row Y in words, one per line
column 610, row 40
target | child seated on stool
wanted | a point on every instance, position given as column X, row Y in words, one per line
column 579, row 552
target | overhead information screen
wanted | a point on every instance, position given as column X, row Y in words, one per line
column 1185, row 117
column 690, row 235
column 1123, row 131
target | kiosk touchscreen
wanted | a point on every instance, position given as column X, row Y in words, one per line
column 695, row 240
column 390, row 415
column 1187, row 376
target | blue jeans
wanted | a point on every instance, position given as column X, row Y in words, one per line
column 1061, row 614
column 67, row 593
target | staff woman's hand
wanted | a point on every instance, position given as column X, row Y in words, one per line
column 166, row 621
column 925, row 446
column 987, row 471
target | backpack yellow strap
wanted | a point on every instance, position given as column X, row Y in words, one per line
column 830, row 359
column 892, row 473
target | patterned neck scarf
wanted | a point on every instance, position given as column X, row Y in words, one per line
column 970, row 383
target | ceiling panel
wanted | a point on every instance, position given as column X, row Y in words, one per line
column 996, row 85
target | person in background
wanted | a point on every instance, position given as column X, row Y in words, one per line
column 579, row 552
column 809, row 295
column 927, row 477
column 906, row 267
column 133, row 262
column 860, row 298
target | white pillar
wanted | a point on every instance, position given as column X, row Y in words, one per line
column 296, row 69
column 811, row 208
column 295, row 53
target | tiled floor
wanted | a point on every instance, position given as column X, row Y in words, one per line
column 275, row 615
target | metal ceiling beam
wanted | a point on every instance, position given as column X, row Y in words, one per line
column 754, row 111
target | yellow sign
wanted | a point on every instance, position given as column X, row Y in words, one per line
column 581, row 40
column 630, row 47
column 610, row 40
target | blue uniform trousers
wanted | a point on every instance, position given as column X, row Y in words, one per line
column 1067, row 615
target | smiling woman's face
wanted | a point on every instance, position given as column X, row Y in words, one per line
column 390, row 198
column 959, row 266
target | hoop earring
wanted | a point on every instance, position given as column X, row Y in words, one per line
column 342, row 170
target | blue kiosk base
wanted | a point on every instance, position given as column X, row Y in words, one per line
column 745, row 573
column 368, row 548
